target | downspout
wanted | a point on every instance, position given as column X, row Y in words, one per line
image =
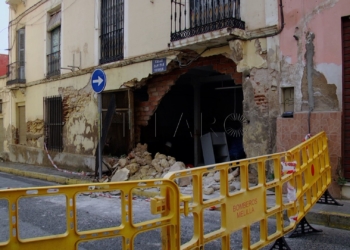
column 310, row 51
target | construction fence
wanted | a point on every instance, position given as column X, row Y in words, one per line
column 288, row 184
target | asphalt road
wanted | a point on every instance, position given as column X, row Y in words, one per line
column 41, row 216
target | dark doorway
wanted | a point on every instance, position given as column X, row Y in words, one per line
column 119, row 139
column 202, row 101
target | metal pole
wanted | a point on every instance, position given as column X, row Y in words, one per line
column 99, row 103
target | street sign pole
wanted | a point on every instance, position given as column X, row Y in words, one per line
column 99, row 104
column 98, row 84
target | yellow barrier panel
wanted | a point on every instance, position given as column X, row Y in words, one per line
column 71, row 237
column 240, row 209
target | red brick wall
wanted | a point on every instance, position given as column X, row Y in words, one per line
column 4, row 61
column 158, row 86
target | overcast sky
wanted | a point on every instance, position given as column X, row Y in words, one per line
column 4, row 20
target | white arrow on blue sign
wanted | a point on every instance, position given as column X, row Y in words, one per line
column 98, row 80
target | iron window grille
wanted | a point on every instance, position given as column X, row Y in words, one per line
column 112, row 31
column 193, row 17
column 53, row 123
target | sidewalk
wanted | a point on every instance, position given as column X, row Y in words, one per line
column 321, row 214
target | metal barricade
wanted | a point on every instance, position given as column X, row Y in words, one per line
column 70, row 237
column 252, row 202
column 240, row 209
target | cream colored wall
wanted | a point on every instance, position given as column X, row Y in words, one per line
column 147, row 27
column 35, row 44
column 78, row 36
column 147, row 24
column 259, row 14
column 5, row 97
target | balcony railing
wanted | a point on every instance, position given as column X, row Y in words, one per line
column 16, row 73
column 54, row 64
column 193, row 17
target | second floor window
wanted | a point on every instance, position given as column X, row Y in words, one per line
column 112, row 30
column 21, row 54
column 54, row 56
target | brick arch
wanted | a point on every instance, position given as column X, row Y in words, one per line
column 158, row 86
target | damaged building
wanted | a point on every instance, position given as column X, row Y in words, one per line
column 203, row 81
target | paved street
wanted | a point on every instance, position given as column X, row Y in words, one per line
column 46, row 216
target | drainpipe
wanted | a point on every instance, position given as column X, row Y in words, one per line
column 310, row 51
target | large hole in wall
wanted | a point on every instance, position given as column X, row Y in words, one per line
column 202, row 101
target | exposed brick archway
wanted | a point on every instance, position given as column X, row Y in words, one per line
column 158, row 86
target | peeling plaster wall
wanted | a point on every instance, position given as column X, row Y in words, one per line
column 260, row 108
column 35, row 133
column 324, row 94
column 79, row 114
column 310, row 16
column 80, row 123
column 323, row 70
column 260, row 65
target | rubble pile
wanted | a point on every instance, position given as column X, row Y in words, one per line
column 139, row 165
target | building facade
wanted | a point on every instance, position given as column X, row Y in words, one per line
column 315, row 68
column 176, row 70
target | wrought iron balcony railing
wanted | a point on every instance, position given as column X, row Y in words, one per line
column 54, row 64
column 193, row 17
column 16, row 73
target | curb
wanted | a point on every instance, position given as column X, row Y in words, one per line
column 329, row 219
column 46, row 177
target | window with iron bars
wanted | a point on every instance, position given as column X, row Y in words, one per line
column 112, row 31
column 53, row 120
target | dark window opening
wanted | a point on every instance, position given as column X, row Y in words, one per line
column 53, row 121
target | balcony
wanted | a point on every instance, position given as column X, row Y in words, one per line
column 54, row 64
column 14, row 2
column 191, row 18
column 16, row 73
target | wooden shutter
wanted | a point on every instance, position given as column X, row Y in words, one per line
column 21, row 54
column 22, row 126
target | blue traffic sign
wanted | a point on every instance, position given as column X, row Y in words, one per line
column 98, row 80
